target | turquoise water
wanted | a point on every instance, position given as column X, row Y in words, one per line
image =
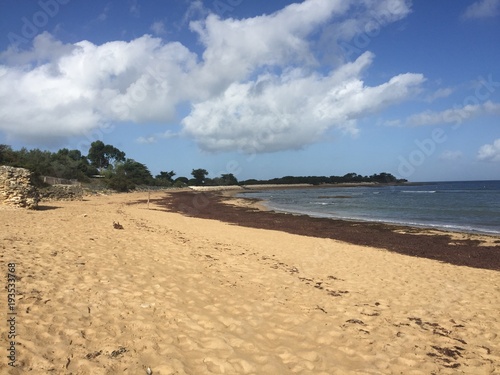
column 470, row 206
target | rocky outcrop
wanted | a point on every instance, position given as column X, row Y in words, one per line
column 16, row 188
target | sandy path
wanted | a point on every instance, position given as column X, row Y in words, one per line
column 190, row 296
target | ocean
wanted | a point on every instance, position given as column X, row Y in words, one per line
column 466, row 206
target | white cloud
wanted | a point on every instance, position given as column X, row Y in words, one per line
column 490, row 152
column 158, row 28
column 196, row 10
column 156, row 137
column 139, row 81
column 482, row 9
column 257, row 86
column 349, row 36
column 451, row 155
column 455, row 115
column 45, row 49
column 292, row 110
column 440, row 93
column 147, row 140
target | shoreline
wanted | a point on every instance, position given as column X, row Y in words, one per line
column 236, row 189
column 410, row 226
column 235, row 194
column 458, row 248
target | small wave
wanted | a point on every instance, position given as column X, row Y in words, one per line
column 335, row 196
column 419, row 191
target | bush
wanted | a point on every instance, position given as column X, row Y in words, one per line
column 120, row 182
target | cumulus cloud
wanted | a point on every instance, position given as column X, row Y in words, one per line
column 482, row 9
column 257, row 86
column 490, row 152
column 45, row 49
column 75, row 92
column 294, row 109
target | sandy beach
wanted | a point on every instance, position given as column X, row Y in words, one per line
column 180, row 294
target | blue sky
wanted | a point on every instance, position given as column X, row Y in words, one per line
column 259, row 89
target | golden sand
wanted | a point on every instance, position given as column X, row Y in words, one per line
column 182, row 295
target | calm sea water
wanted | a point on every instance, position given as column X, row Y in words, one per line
column 471, row 206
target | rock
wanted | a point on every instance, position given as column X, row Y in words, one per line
column 117, row 225
column 16, row 188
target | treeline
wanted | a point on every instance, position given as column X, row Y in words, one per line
column 381, row 178
column 120, row 173
column 67, row 164
column 105, row 161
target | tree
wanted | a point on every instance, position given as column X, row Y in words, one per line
column 71, row 164
column 7, row 155
column 165, row 178
column 383, row 178
column 38, row 161
column 136, row 172
column 199, row 176
column 225, row 180
column 181, row 181
column 128, row 174
column 102, row 156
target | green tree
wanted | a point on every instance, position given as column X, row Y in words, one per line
column 38, row 161
column 128, row 174
column 181, row 182
column 137, row 172
column 199, row 176
column 102, row 156
column 7, row 155
column 71, row 164
column 165, row 178
column 225, row 180
column 383, row 178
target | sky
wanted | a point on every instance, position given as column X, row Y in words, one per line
column 259, row 88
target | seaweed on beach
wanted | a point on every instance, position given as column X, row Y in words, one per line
column 399, row 239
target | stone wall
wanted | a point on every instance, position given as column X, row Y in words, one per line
column 59, row 181
column 16, row 188
column 61, row 193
